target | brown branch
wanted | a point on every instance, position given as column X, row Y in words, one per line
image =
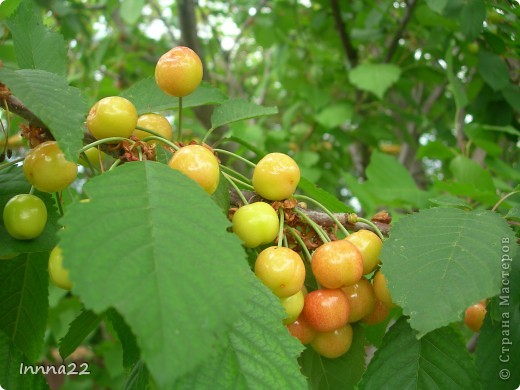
column 350, row 52
column 188, row 25
column 319, row 217
column 410, row 7
column 15, row 106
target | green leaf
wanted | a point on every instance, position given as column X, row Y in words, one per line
column 335, row 115
column 368, row 201
column 493, row 70
column 60, row 107
column 8, row 7
column 24, row 302
column 221, row 195
column 513, row 214
column 340, row 373
column 435, row 149
column 470, row 179
column 440, row 253
column 497, row 354
column 138, row 378
column 234, row 110
column 325, row 198
column 11, row 358
column 79, row 329
column 148, row 97
column 437, row 5
column 162, row 154
column 375, row 78
column 36, row 47
column 162, row 257
column 126, row 337
column 457, row 88
column 13, row 182
column 502, row 129
column 450, row 201
column 391, row 182
column 512, row 95
column 472, row 17
column 259, row 352
column 437, row 361
column 131, row 10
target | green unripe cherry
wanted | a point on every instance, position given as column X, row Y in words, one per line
column 256, row 224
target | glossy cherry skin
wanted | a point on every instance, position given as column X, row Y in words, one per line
column 276, row 176
column 474, row 316
column 25, row 216
column 179, row 71
column 335, row 343
column 281, row 269
column 378, row 315
column 302, row 330
column 46, row 168
column 59, row 275
column 361, row 298
column 199, row 164
column 293, row 306
column 369, row 245
column 256, row 224
column 336, row 264
column 326, row 310
column 113, row 116
column 381, row 289
column 155, row 122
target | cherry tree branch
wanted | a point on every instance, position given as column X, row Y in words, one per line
column 350, row 52
column 392, row 47
column 321, row 218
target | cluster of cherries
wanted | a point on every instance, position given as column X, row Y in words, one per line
column 351, row 287
column 344, row 295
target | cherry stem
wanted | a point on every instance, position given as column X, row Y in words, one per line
column 249, row 186
column 372, row 225
column 151, row 132
column 58, row 200
column 231, row 181
column 208, row 133
column 115, row 164
column 245, row 160
column 154, row 137
column 105, row 141
column 306, row 252
column 140, row 152
column 326, row 210
column 504, row 198
column 280, row 229
column 317, row 228
column 31, row 191
column 179, row 132
column 84, row 155
column 233, row 172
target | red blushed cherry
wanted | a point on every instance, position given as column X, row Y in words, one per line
column 361, row 298
column 337, row 263
column 335, row 343
column 302, row 330
column 378, row 315
column 326, row 310
column 474, row 316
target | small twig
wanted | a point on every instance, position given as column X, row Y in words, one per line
column 392, row 47
column 350, row 52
